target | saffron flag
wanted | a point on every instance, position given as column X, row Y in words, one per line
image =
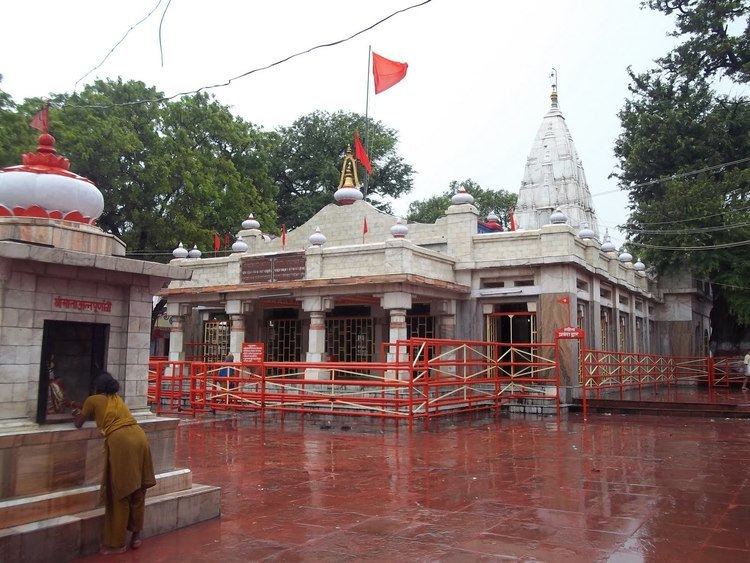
column 361, row 154
column 283, row 236
column 512, row 219
column 365, row 228
column 40, row 121
column 217, row 242
column 386, row 72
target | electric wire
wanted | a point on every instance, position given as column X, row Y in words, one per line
column 674, row 177
column 112, row 50
column 161, row 22
column 741, row 287
column 691, row 248
column 257, row 69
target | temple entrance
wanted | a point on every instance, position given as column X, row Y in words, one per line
column 73, row 355
column 508, row 329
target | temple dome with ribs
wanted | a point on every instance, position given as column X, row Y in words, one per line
column 554, row 177
column 44, row 187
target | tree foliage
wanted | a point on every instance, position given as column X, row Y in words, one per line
column 486, row 200
column 675, row 123
column 715, row 38
column 169, row 171
column 307, row 163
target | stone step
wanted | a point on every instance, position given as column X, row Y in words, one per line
column 17, row 511
column 66, row 537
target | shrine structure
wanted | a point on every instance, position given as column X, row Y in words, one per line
column 72, row 305
column 331, row 290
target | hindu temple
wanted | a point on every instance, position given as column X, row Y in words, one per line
column 333, row 290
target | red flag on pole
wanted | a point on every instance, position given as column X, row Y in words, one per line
column 365, row 229
column 283, row 236
column 386, row 72
column 217, row 242
column 40, row 121
column 361, row 154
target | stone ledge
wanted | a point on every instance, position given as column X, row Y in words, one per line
column 66, row 537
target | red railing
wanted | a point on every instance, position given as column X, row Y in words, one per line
column 423, row 378
column 602, row 372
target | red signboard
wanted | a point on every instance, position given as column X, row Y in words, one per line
column 570, row 332
column 253, row 352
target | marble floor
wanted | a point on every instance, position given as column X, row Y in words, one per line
column 619, row 488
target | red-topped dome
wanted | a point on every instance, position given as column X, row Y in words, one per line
column 44, row 186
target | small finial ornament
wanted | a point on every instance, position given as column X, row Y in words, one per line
column 317, row 238
column 585, row 231
column 558, row 217
column 239, row 245
column 250, row 223
column 639, row 266
column 608, row 245
column 553, row 79
column 180, row 251
column 625, row 257
column 492, row 217
column 194, row 252
column 348, row 191
column 462, row 197
column 399, row 230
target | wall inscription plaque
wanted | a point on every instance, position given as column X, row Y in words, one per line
column 264, row 269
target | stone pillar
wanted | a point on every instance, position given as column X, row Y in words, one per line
column 396, row 303
column 316, row 339
column 134, row 379
column 176, row 332
column 233, row 308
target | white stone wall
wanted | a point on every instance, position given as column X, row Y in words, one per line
column 26, row 301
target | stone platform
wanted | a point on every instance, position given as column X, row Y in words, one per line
column 49, row 485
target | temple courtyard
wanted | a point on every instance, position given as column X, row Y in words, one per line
column 614, row 488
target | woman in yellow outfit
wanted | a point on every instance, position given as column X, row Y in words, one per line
column 128, row 470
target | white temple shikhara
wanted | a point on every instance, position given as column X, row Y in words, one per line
column 553, row 178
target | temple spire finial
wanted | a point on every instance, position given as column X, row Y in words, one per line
column 553, row 79
column 349, row 177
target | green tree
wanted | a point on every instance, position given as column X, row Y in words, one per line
column 674, row 123
column 486, row 200
column 307, row 163
column 715, row 38
column 169, row 171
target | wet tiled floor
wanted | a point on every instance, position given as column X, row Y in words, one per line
column 693, row 394
column 618, row 488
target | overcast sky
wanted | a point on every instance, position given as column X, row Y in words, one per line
column 475, row 93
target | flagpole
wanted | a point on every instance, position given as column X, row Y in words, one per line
column 367, row 120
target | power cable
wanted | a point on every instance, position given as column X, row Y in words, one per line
column 691, row 248
column 673, row 177
column 161, row 21
column 695, row 231
column 723, row 284
column 112, row 50
column 258, row 69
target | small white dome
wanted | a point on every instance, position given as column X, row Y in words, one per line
column 194, row 252
column 239, row 245
column 317, row 238
column 492, row 217
column 558, row 217
column 608, row 245
column 462, row 196
column 639, row 266
column 399, row 230
column 625, row 257
column 347, row 196
column 180, row 251
column 585, row 231
column 250, row 223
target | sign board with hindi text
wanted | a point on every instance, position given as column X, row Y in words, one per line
column 253, row 352
column 569, row 332
column 280, row 267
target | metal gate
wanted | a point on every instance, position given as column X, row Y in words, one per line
column 350, row 339
column 284, row 340
column 215, row 341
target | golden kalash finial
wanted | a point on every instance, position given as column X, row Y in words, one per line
column 553, row 79
column 349, row 177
